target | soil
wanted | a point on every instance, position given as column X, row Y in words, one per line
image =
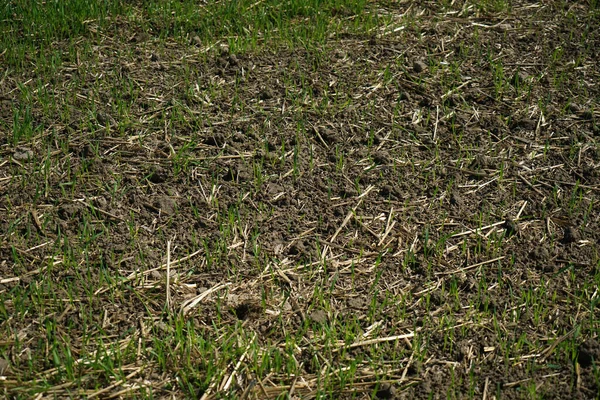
column 300, row 157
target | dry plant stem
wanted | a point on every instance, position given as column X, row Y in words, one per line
column 377, row 340
column 293, row 386
column 546, row 353
column 485, row 388
column 595, row 188
column 437, row 120
column 121, row 345
column 82, row 201
column 456, row 271
column 351, row 213
column 227, row 382
column 138, row 274
column 211, row 387
column 519, row 382
column 477, row 230
column 114, row 385
column 248, row 389
column 405, row 371
column 169, row 275
column 191, row 303
column 120, row 393
column 348, row 216
column 518, row 216
column 388, row 227
column 530, row 185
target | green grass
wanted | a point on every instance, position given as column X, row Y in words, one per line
column 31, row 29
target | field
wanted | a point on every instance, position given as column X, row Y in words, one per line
column 299, row 199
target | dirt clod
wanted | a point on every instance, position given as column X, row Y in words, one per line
column 483, row 161
column 574, row 108
column 511, row 228
column 419, row 66
column 242, row 311
column 215, row 140
column 157, row 175
column 266, row 94
column 381, row 157
column 519, row 78
column 23, row 154
column 330, row 136
column 404, row 96
column 386, row 391
column 588, row 353
column 69, row 211
column 571, row 235
column 166, row 205
column 540, row 253
column 456, row 200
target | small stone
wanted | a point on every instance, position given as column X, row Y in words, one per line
column 23, row 154
column 318, row 316
column 196, row 40
column 4, row 365
column 419, row 66
column 224, row 48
